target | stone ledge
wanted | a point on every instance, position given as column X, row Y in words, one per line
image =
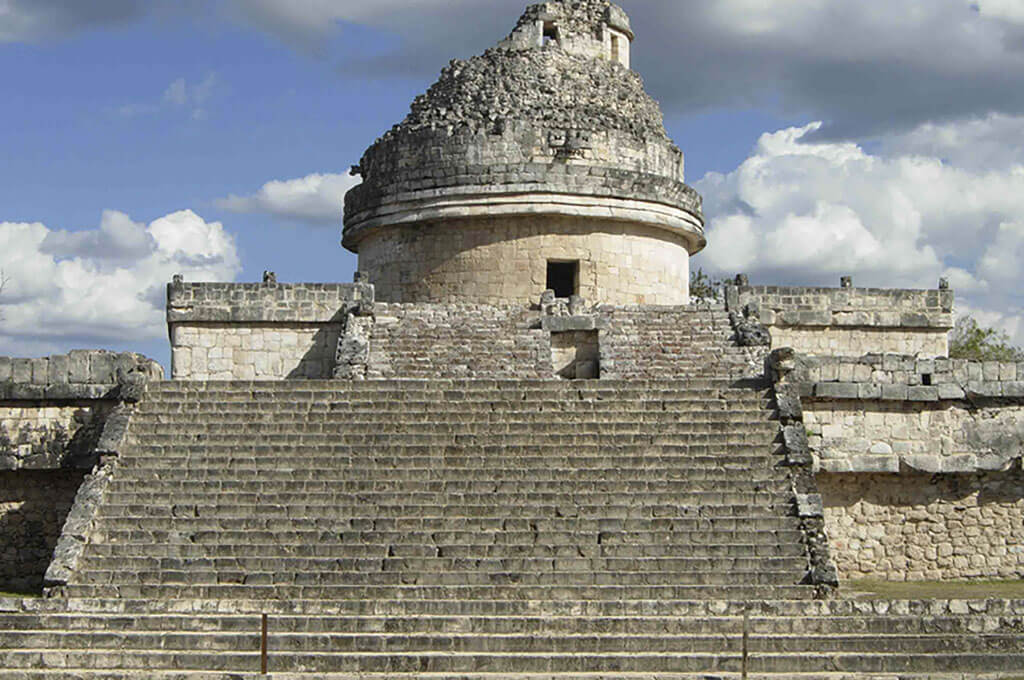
column 845, row 308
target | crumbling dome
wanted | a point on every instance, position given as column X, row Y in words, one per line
column 539, row 164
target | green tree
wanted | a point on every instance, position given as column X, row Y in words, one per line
column 969, row 340
column 702, row 287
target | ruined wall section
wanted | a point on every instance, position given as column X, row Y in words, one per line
column 267, row 331
column 919, row 462
column 51, row 408
column 849, row 321
column 54, row 415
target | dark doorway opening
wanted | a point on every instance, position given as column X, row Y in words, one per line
column 563, row 278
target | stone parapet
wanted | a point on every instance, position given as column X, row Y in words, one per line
column 847, row 320
column 52, row 409
column 900, row 414
column 263, row 302
column 80, row 374
column 892, row 377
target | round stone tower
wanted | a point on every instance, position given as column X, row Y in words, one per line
column 540, row 164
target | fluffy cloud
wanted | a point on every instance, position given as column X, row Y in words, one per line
column 804, row 212
column 314, row 199
column 105, row 284
column 23, row 20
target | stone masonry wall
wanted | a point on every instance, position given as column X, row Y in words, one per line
column 883, row 413
column 44, row 436
column 925, row 527
column 239, row 351
column 919, row 460
column 54, row 413
column 502, row 260
column 33, row 506
column 858, row 341
column 266, row 331
column 51, row 408
column 849, row 321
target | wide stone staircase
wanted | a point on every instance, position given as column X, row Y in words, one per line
column 480, row 530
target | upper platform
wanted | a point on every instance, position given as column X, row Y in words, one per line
column 551, row 121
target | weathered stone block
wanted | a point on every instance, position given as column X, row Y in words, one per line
column 58, row 370
column 890, row 464
column 922, row 393
column 951, row 391
column 78, row 367
column 837, row 390
column 924, row 463
column 1013, row 388
column 869, row 391
column 6, row 369
column 983, row 388
column 40, row 370
column 960, row 464
column 810, row 505
column 894, row 392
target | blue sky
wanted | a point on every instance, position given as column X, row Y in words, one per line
column 879, row 139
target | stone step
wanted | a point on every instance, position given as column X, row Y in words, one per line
column 523, row 625
column 200, row 429
column 706, row 504
column 784, row 574
column 550, row 663
column 331, row 566
column 569, row 438
column 418, row 529
column 85, row 674
column 283, row 644
column 309, row 513
column 729, row 607
column 268, row 492
column 216, row 551
column 451, row 598
column 558, row 462
column 170, row 481
column 325, row 544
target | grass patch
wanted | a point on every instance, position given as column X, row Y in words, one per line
column 930, row 590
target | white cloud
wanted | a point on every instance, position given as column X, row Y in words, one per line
column 1010, row 10
column 179, row 95
column 314, row 199
column 804, row 212
column 103, row 284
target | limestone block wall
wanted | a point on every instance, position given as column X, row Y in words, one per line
column 849, row 321
column 53, row 413
column 44, row 436
column 33, row 506
column 502, row 260
column 258, row 331
column 918, row 460
column 925, row 527
column 884, row 413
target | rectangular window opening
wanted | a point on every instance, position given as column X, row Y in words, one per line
column 926, row 379
column 550, row 32
column 563, row 278
column 616, row 54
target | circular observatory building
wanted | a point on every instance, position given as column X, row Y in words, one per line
column 540, row 164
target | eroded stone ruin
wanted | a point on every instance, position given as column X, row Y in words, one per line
column 513, row 447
